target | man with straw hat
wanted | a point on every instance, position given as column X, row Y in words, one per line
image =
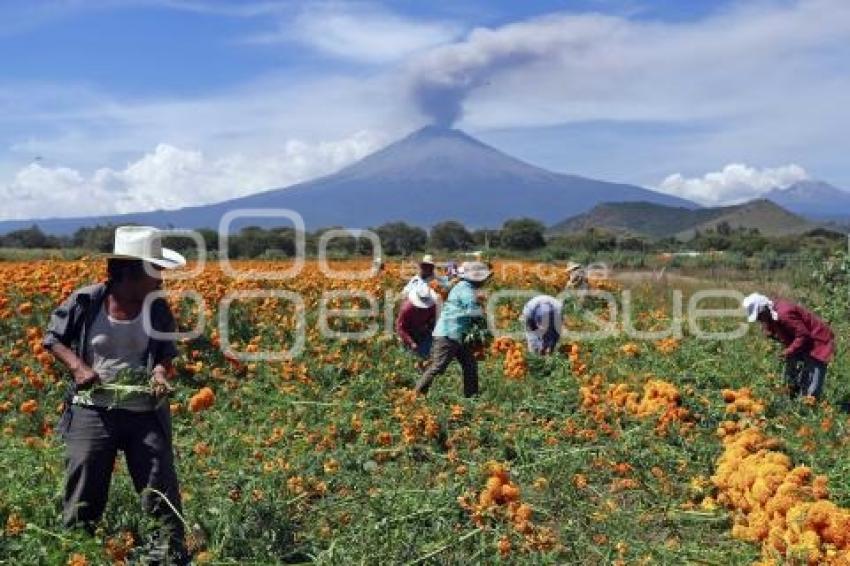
column 101, row 333
column 425, row 276
column 453, row 326
column 808, row 341
column 578, row 276
column 416, row 320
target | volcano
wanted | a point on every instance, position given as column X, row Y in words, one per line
column 432, row 175
column 814, row 199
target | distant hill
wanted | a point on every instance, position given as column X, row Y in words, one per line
column 813, row 199
column 434, row 174
column 766, row 216
column 658, row 221
column 641, row 218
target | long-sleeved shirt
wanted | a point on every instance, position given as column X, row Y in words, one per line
column 542, row 315
column 800, row 331
column 413, row 323
column 418, row 280
column 458, row 312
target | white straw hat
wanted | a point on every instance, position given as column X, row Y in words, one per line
column 144, row 243
column 427, row 259
column 422, row 296
column 475, row 271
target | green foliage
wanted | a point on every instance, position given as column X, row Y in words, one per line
column 450, row 236
column 31, row 237
column 522, row 234
column 400, row 238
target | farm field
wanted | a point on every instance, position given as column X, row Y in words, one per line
column 619, row 450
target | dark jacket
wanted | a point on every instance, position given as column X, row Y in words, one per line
column 801, row 332
column 69, row 325
column 414, row 324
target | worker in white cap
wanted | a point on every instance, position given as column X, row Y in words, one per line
column 425, row 276
column 809, row 343
column 416, row 320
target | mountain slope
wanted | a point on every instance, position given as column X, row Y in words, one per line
column 640, row 218
column 432, row 175
column 814, row 199
column 658, row 221
column 766, row 216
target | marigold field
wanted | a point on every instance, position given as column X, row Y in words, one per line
column 612, row 451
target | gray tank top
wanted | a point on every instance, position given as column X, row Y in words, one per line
column 115, row 345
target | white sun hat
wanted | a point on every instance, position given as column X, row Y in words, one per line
column 427, row 259
column 144, row 243
column 475, row 271
column 422, row 297
column 572, row 266
column 755, row 303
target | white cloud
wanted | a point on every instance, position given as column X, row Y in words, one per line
column 733, row 184
column 170, row 177
column 762, row 82
column 359, row 32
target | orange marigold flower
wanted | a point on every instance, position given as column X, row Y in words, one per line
column 15, row 525
column 202, row 400
column 29, row 407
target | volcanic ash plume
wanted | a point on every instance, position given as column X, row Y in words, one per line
column 444, row 77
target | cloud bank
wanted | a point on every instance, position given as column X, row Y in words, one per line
column 735, row 183
column 170, row 177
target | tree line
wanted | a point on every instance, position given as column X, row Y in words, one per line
column 521, row 235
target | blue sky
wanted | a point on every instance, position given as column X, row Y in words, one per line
column 166, row 103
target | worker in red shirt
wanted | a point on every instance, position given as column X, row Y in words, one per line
column 416, row 320
column 809, row 342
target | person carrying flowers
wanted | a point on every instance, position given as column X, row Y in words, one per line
column 458, row 316
column 119, row 373
column 426, row 276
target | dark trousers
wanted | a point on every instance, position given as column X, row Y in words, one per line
column 443, row 351
column 805, row 376
column 92, row 441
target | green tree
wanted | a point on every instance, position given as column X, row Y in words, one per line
column 724, row 229
column 31, row 237
column 487, row 238
column 450, row 235
column 523, row 234
column 253, row 241
column 98, row 238
column 400, row 238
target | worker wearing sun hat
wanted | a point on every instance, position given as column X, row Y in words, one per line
column 808, row 341
column 97, row 332
column 453, row 325
column 577, row 276
column 416, row 319
column 426, row 275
